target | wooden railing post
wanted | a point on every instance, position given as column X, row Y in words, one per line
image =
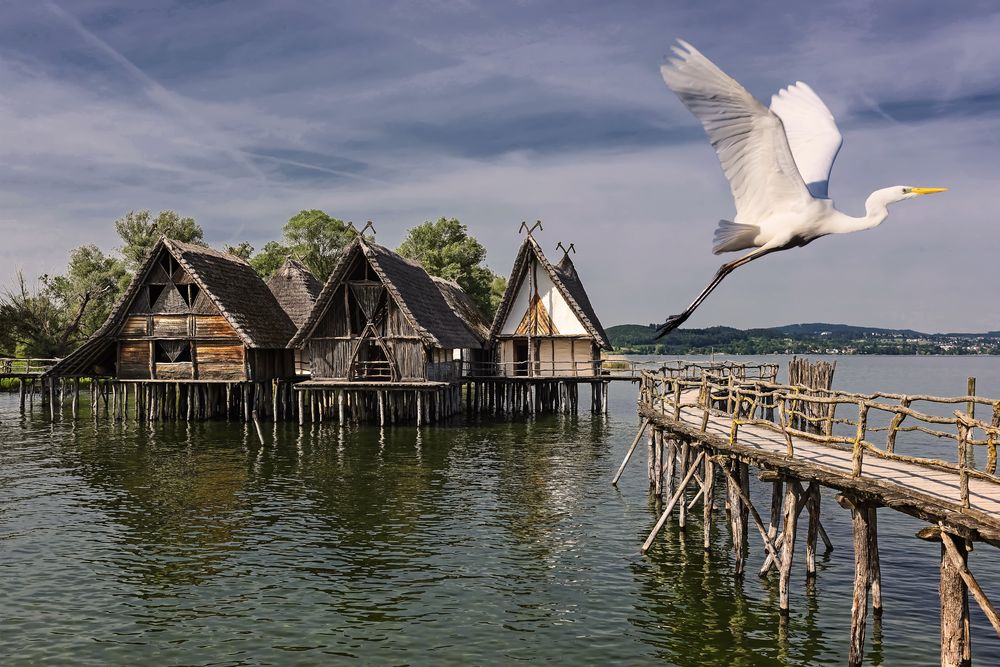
column 890, row 443
column 963, row 462
column 677, row 400
column 858, row 453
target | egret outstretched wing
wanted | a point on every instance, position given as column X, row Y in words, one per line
column 812, row 134
column 749, row 140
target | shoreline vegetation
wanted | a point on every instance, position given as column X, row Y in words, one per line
column 815, row 338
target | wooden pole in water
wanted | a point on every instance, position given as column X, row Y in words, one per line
column 787, row 546
column 956, row 645
column 873, row 561
column 256, row 423
column 862, row 580
column 708, row 502
column 682, row 507
column 673, row 501
column 812, row 499
column 628, row 454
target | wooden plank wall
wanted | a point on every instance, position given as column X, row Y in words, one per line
column 161, row 312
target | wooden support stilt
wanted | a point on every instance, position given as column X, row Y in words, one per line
column 670, row 468
column 707, row 502
column 812, row 499
column 873, row 560
column 683, row 472
column 789, row 521
column 862, row 528
column 658, row 463
column 650, row 456
column 737, row 514
column 670, row 505
column 956, row 645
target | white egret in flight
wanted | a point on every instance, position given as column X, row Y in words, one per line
column 778, row 163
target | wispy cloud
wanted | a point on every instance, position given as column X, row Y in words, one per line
column 241, row 114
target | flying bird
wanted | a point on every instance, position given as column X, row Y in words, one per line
column 778, row 163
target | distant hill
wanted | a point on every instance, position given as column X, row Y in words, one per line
column 815, row 338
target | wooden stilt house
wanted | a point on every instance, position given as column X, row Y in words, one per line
column 383, row 324
column 193, row 316
column 296, row 290
column 545, row 325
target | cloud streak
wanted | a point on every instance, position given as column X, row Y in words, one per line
column 240, row 115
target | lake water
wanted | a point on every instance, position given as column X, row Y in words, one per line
column 462, row 543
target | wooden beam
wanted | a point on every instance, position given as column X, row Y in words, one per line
column 959, row 562
column 673, row 501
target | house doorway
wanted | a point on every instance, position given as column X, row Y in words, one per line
column 520, row 357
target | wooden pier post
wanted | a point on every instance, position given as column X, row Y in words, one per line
column 812, row 500
column 789, row 521
column 736, row 524
column 683, row 472
column 708, row 502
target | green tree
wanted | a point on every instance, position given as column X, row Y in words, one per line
column 313, row 237
column 35, row 324
column 269, row 258
column 446, row 249
column 140, row 231
column 243, row 250
column 88, row 290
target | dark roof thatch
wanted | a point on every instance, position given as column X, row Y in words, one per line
column 410, row 286
column 296, row 290
column 229, row 282
column 463, row 306
column 566, row 280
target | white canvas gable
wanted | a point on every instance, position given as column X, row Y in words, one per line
column 563, row 317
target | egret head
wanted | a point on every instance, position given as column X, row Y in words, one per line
column 900, row 192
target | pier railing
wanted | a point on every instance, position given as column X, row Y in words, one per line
column 865, row 424
column 25, row 367
column 615, row 367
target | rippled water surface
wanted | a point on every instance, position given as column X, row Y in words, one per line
column 465, row 543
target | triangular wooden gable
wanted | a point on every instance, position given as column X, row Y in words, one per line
column 536, row 320
column 170, row 301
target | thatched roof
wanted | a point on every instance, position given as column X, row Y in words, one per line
column 566, row 280
column 463, row 306
column 296, row 290
column 228, row 282
column 411, row 287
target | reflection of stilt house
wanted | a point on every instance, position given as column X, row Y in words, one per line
column 545, row 325
column 387, row 341
column 197, row 333
column 296, row 290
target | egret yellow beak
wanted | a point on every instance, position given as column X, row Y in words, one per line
column 927, row 191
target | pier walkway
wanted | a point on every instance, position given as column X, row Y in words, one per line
column 915, row 454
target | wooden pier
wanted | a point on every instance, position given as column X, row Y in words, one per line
column 709, row 422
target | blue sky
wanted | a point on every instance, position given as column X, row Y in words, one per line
column 241, row 113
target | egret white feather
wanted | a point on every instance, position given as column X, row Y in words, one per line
column 778, row 162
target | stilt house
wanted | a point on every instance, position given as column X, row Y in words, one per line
column 296, row 290
column 191, row 314
column 545, row 325
column 381, row 318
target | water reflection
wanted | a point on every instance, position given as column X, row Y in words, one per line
column 491, row 543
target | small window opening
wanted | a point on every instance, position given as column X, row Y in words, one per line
column 154, row 293
column 188, row 292
column 173, row 351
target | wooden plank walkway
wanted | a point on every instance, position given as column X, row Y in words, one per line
column 721, row 420
column 921, row 489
